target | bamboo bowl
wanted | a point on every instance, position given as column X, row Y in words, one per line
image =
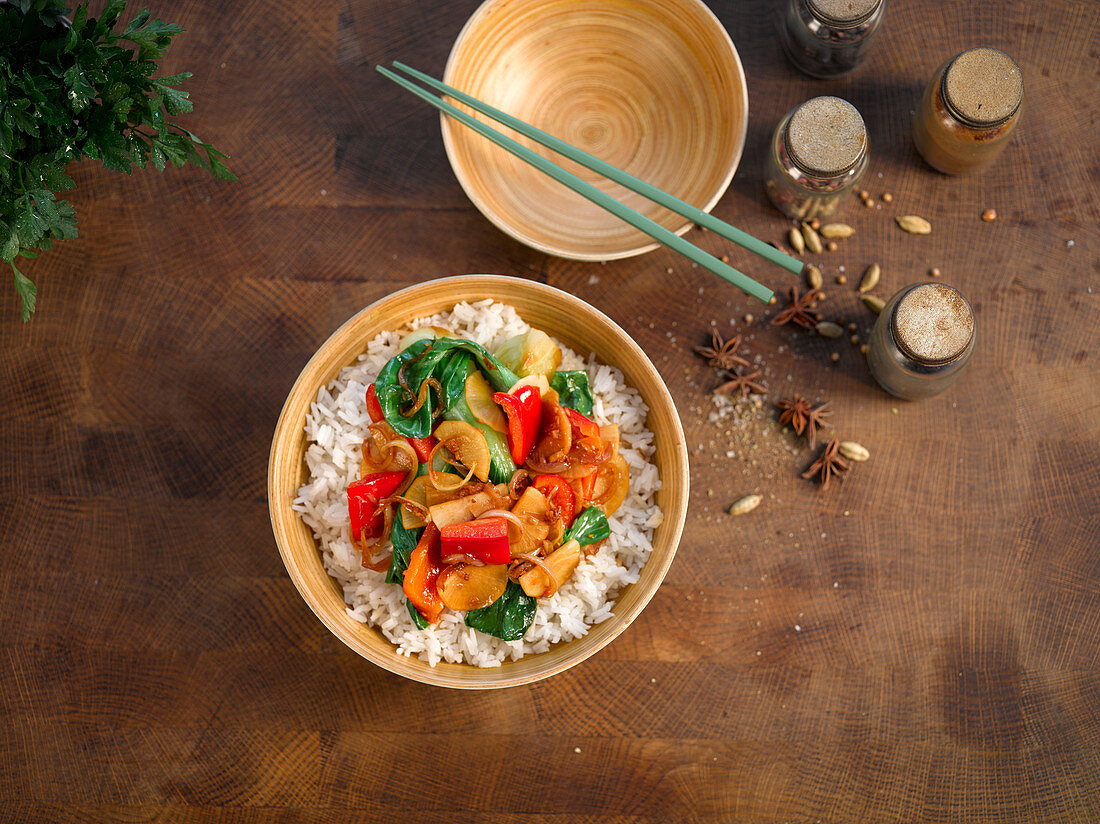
column 575, row 324
column 654, row 87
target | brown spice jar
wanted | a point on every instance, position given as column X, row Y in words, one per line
column 950, row 129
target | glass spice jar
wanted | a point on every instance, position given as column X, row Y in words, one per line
column 922, row 340
column 818, row 153
column 828, row 38
column 969, row 110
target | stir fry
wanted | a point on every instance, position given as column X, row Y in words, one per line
column 484, row 478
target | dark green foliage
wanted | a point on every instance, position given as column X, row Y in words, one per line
column 573, row 390
column 85, row 90
column 508, row 617
column 404, row 542
column 590, row 526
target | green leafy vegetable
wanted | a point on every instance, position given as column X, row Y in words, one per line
column 573, row 390
column 418, row 619
column 508, row 617
column 457, row 369
column 392, row 397
column 82, row 90
column 404, row 542
column 590, row 526
column 445, row 360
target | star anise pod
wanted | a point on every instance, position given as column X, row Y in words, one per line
column 722, row 354
column 830, row 463
column 741, row 383
column 802, row 416
column 798, row 310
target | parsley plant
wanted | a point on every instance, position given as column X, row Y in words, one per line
column 80, row 90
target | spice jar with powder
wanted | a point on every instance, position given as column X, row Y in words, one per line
column 817, row 154
column 922, row 340
column 828, row 38
column 969, row 111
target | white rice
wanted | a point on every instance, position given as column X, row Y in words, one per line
column 336, row 426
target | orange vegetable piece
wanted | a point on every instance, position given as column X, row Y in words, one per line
column 422, row 575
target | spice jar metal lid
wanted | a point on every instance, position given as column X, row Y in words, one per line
column 983, row 87
column 843, row 14
column 826, row 136
column 933, row 323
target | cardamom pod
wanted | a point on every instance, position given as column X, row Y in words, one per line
column 813, row 277
column 812, row 238
column 853, row 451
column 873, row 303
column 828, row 329
column 794, row 237
column 914, row 225
column 746, row 504
column 836, row 231
column 870, row 278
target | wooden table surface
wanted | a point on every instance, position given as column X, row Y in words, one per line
column 919, row 644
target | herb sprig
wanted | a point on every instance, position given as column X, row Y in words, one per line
column 82, row 90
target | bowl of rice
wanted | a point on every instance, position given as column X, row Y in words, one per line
column 315, row 455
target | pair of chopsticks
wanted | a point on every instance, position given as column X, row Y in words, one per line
column 602, row 199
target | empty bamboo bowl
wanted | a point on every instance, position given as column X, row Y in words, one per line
column 575, row 324
column 654, row 87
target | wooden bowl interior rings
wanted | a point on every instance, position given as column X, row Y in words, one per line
column 575, row 324
column 654, row 87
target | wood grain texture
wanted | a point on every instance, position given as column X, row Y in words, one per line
column 157, row 664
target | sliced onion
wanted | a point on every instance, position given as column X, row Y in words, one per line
column 546, row 467
column 460, row 558
column 552, row 589
column 434, row 384
column 518, row 477
column 506, row 515
column 372, row 454
column 435, row 477
column 403, row 446
column 417, row 507
column 401, row 379
column 420, row 400
column 368, row 547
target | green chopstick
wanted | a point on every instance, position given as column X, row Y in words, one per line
column 587, row 190
column 625, row 179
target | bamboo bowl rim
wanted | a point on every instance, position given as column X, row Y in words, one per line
column 577, row 325
column 542, row 231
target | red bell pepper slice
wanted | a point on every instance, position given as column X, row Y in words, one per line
column 374, row 407
column 560, row 494
column 421, row 446
column 523, row 409
column 485, row 540
column 587, row 427
column 363, row 498
column 422, row 575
